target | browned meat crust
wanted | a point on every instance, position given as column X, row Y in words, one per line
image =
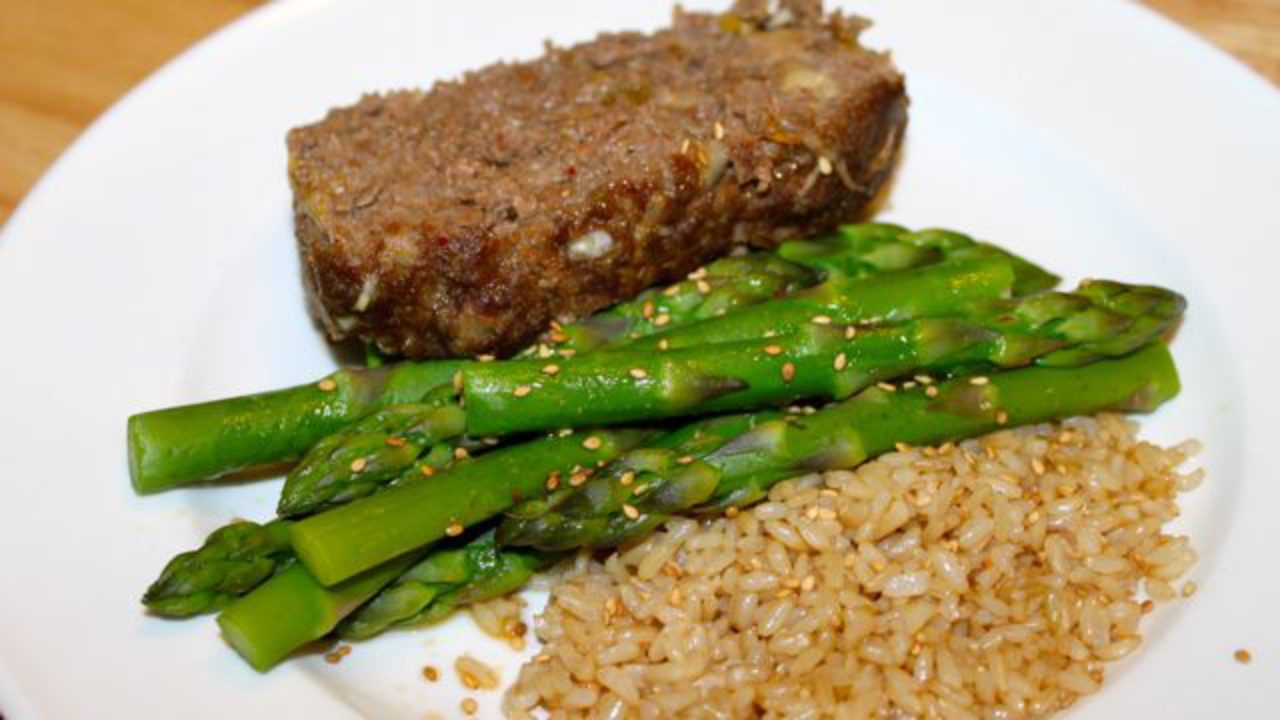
column 464, row 219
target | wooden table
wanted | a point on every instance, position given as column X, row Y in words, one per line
column 62, row 62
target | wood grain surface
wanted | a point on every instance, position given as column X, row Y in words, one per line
column 62, row 62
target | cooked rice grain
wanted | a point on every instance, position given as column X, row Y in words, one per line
column 989, row 579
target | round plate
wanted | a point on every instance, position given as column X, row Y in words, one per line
column 154, row 265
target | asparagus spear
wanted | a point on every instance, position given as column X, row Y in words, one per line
column 233, row 560
column 819, row 360
column 607, row 511
column 205, row 441
column 770, row 449
column 340, row 543
column 240, row 556
column 292, row 609
column 443, row 581
column 848, row 251
column 947, row 288
column 1053, row 327
column 353, row 462
column 186, row 444
column 720, row 286
column 370, row 453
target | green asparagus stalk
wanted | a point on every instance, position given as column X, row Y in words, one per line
column 233, row 560
column 819, row 360
column 292, row 609
column 370, row 453
column 240, row 556
column 347, row 460
column 607, row 511
column 721, row 285
column 943, row 289
column 206, row 441
column 443, row 581
column 181, row 445
column 848, row 251
column 347, row 540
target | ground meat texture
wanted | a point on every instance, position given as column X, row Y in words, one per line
column 464, row 219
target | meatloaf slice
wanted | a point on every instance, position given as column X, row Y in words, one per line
column 464, row 219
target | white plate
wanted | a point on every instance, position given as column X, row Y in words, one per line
column 154, row 265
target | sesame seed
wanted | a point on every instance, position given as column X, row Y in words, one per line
column 663, row 344
column 485, row 358
column 684, row 459
column 544, row 351
column 662, row 319
column 931, row 391
column 638, row 373
column 647, row 309
column 453, row 530
column 460, row 453
column 909, row 385
column 822, row 319
column 788, row 371
column 824, row 166
column 522, row 390
column 732, row 512
column 901, row 447
column 490, row 441
column 979, row 380
column 551, row 369
column 556, row 337
column 630, row 511
column 773, row 350
column 457, row 381
column 924, row 379
column 577, row 479
column 1002, row 417
column 358, row 464
column 592, row 443
column 430, row 673
column 553, row 480
column 568, row 353
column 841, row 362
column 640, row 490
column 703, row 286
column 427, row 470
column 1242, row 656
column 718, row 131
column 470, row 706
column 327, row 385
column 672, row 290
column 849, row 332
column 1189, row 588
column 395, row 441
column 698, row 274
column 1147, row 606
column 627, row 478
column 887, row 387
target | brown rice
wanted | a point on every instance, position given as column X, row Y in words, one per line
column 990, row 579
